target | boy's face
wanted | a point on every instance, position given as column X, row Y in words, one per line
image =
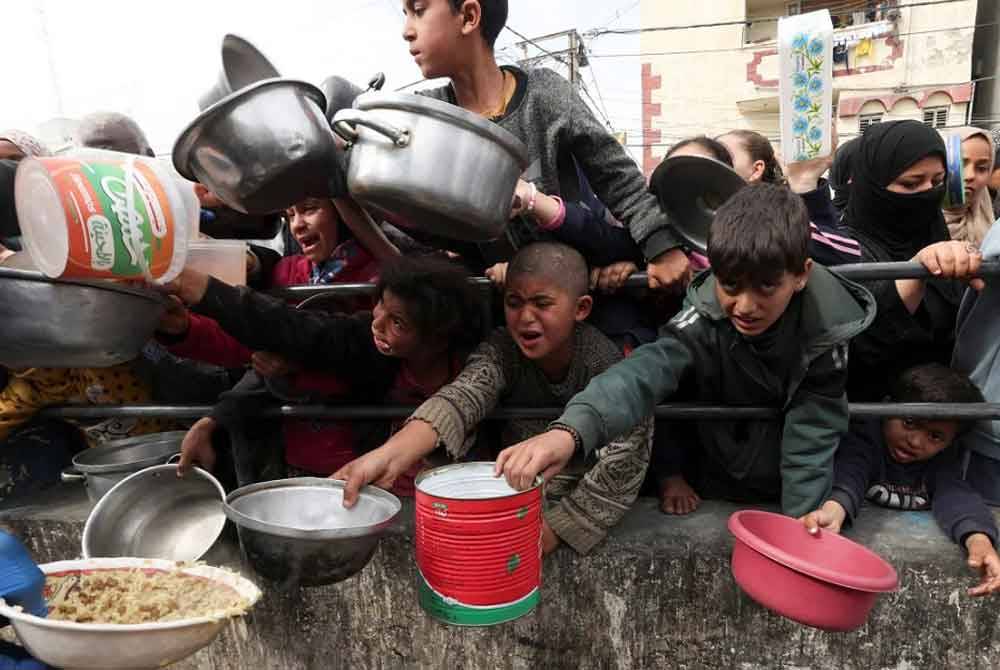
column 432, row 30
column 313, row 224
column 912, row 440
column 392, row 329
column 541, row 316
column 754, row 309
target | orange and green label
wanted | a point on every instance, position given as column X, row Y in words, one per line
column 119, row 218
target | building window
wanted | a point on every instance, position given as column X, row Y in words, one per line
column 936, row 117
column 793, row 8
column 866, row 120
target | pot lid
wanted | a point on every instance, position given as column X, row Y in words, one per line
column 133, row 453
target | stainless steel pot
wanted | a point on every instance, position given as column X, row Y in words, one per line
column 103, row 467
column 298, row 532
column 154, row 513
column 429, row 165
column 242, row 65
column 262, row 148
column 69, row 323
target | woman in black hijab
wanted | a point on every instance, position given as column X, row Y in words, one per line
column 840, row 174
column 894, row 212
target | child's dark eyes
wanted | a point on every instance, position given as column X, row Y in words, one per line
column 909, row 422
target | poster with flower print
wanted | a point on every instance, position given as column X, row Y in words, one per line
column 805, row 53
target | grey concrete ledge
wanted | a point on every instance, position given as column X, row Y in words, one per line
column 657, row 594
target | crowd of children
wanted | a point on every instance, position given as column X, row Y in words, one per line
column 764, row 322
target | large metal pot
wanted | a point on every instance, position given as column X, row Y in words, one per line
column 429, row 165
column 297, row 531
column 242, row 65
column 262, row 148
column 103, row 467
column 154, row 513
column 69, row 323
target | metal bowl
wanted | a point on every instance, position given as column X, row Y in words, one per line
column 108, row 646
column 242, row 65
column 690, row 189
column 103, row 467
column 156, row 514
column 262, row 148
column 68, row 323
column 297, row 531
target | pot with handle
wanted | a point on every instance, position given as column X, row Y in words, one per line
column 100, row 468
column 429, row 165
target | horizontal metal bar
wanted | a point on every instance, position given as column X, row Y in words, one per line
column 853, row 271
column 681, row 411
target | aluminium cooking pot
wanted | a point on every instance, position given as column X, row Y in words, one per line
column 104, row 466
column 431, row 166
column 242, row 64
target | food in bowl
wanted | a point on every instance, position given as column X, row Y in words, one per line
column 138, row 595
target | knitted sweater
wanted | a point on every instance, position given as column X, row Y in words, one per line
column 596, row 494
column 557, row 126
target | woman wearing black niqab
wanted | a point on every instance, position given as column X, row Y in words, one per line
column 840, row 174
column 894, row 212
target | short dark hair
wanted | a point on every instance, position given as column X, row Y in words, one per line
column 712, row 146
column 933, row 382
column 760, row 149
column 559, row 263
column 758, row 234
column 440, row 299
column 494, row 17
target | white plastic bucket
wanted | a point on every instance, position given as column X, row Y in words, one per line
column 225, row 260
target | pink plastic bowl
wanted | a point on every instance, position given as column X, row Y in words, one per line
column 822, row 580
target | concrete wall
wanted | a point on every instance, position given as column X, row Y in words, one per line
column 659, row 594
column 986, row 63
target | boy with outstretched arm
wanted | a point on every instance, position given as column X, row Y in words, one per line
column 544, row 355
column 911, row 464
column 764, row 326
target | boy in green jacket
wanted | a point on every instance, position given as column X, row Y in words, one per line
column 765, row 326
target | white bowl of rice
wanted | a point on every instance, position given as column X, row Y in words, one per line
column 129, row 613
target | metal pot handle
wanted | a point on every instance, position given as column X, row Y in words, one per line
column 71, row 474
column 171, row 459
column 345, row 120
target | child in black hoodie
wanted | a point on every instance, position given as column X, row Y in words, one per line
column 909, row 464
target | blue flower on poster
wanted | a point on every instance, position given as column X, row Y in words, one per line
column 799, row 42
column 815, row 46
column 801, row 103
column 801, row 156
column 800, row 79
column 816, row 85
column 815, row 134
column 799, row 126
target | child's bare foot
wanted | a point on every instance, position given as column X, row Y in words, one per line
column 677, row 496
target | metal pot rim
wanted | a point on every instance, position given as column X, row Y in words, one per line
column 449, row 113
column 91, row 468
column 433, row 472
column 182, row 147
column 103, row 285
column 249, row 523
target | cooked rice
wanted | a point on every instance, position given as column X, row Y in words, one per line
column 138, row 595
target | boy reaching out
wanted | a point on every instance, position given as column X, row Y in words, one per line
column 764, row 326
column 910, row 464
column 544, row 355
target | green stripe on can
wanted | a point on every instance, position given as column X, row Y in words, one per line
column 452, row 612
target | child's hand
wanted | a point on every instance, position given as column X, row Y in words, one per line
column 197, row 447
column 176, row 319
column 983, row 558
column 669, row 270
column 677, row 496
column 611, row 278
column 953, row 260
column 547, row 454
column 550, row 541
column 383, row 465
column 206, row 198
column 270, row 365
column 497, row 274
column 803, row 176
column 830, row 517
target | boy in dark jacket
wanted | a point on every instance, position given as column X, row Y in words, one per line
column 909, row 464
column 765, row 326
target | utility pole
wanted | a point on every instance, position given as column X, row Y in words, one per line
column 538, row 50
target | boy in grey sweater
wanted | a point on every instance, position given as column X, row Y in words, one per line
column 454, row 39
column 544, row 356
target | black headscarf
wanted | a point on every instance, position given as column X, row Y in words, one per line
column 840, row 173
column 894, row 226
column 8, row 215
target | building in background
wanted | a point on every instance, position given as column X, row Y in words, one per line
column 890, row 62
column 986, row 67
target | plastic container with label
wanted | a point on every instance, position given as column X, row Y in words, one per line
column 225, row 260
column 103, row 214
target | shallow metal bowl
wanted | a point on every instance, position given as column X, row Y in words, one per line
column 297, row 531
column 68, row 323
column 155, row 514
column 262, row 148
column 242, row 65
